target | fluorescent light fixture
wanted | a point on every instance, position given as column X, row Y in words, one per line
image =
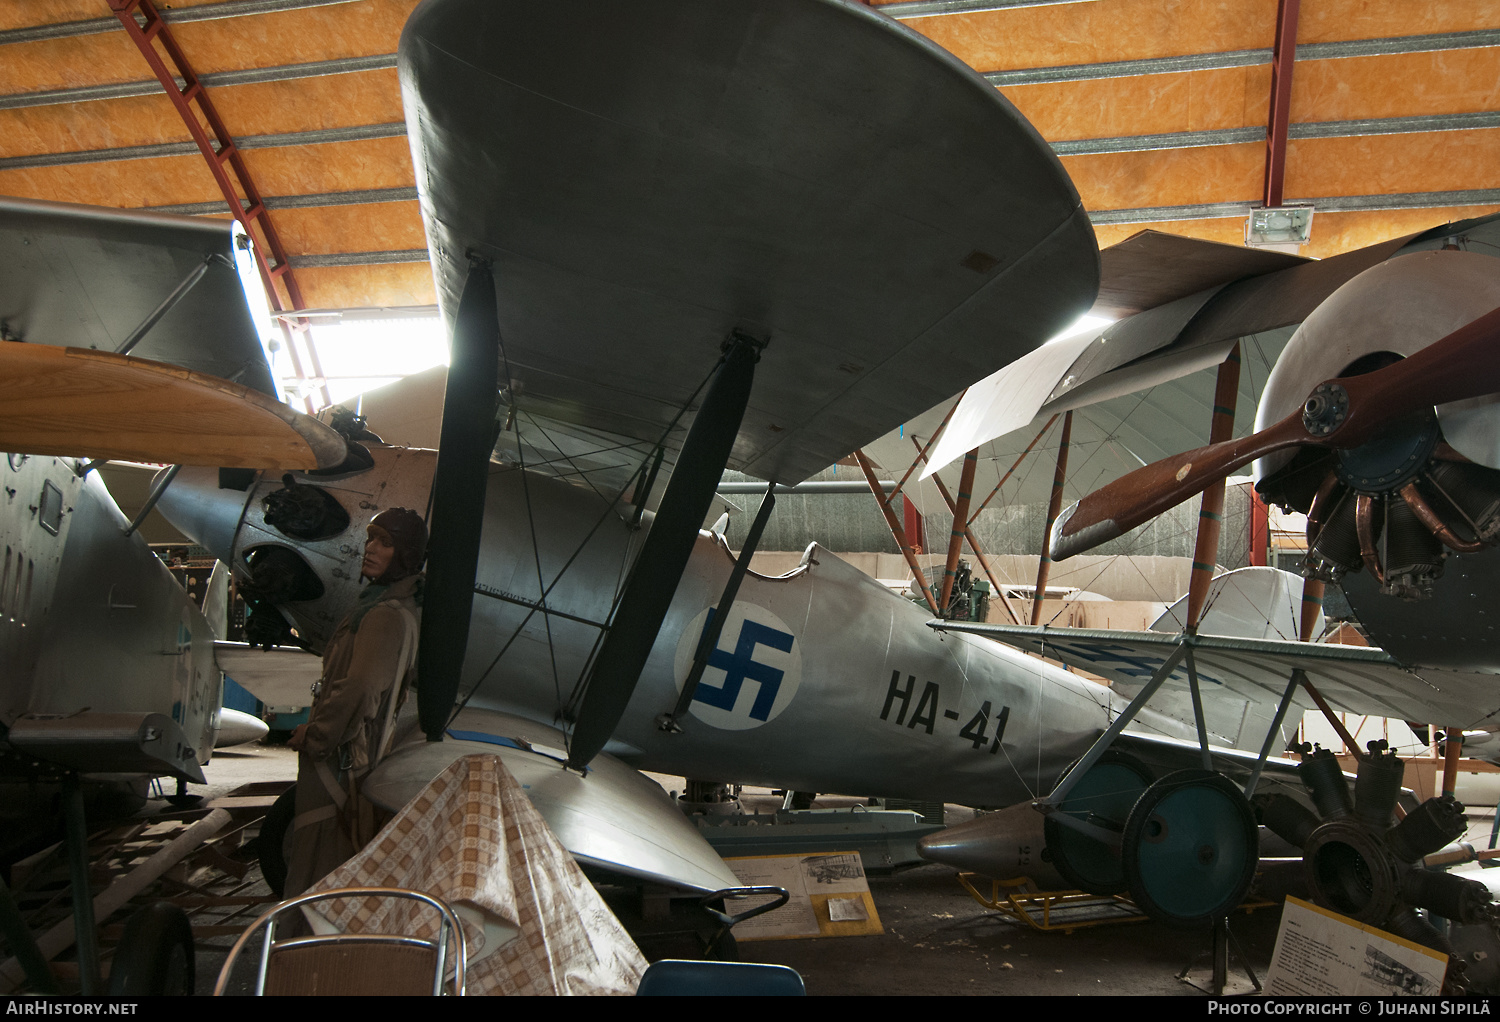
column 1279, row 226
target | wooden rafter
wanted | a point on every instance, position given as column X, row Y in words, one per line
column 153, row 37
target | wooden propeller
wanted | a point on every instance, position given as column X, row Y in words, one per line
column 1339, row 414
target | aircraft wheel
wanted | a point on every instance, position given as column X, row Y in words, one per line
column 1190, row 848
column 155, row 955
column 1104, row 796
column 271, row 842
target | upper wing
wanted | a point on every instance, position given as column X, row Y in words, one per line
column 87, row 277
column 1190, row 300
column 73, row 401
column 804, row 171
column 1355, row 679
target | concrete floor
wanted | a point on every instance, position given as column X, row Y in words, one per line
column 937, row 939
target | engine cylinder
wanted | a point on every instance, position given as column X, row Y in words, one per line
column 1474, row 490
column 1406, row 923
column 1427, row 828
column 1325, row 779
column 1413, row 555
column 1336, row 550
column 1376, row 786
column 1287, row 818
column 1453, row 897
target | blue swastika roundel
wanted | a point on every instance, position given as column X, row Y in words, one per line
column 753, row 674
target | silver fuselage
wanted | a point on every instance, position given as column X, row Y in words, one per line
column 823, row 680
column 90, row 619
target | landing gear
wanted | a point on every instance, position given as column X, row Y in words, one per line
column 184, row 799
column 1190, row 848
column 1104, row 797
column 270, row 842
column 155, row 956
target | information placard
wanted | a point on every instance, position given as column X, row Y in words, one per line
column 1324, row 954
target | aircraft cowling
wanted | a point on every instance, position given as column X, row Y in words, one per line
column 319, row 577
column 1386, row 518
column 1400, row 306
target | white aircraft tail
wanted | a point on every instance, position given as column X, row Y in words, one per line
column 1247, row 603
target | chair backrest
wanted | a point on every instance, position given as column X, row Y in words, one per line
column 372, row 964
column 723, row 979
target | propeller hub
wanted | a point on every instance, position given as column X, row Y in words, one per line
column 1393, row 457
column 1325, row 409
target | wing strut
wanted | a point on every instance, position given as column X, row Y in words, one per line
column 458, row 485
column 713, row 628
column 669, row 544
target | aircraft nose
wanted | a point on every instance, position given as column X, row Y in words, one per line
column 201, row 510
column 1003, row 845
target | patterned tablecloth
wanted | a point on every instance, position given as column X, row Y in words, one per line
column 534, row 924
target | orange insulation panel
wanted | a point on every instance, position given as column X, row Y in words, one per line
column 353, row 287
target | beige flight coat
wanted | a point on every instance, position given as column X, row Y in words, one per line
column 344, row 733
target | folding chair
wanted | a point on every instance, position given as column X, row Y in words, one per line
column 344, row 964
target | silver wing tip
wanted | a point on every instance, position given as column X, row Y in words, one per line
column 1062, row 547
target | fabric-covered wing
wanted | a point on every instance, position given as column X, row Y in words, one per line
column 1355, row 679
column 1153, row 268
column 86, row 277
column 1222, row 294
column 75, row 401
column 804, row 171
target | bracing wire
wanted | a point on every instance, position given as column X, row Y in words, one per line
column 609, row 506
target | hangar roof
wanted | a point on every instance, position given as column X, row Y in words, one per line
column 1158, row 108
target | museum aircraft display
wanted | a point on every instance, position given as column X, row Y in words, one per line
column 1379, row 423
column 107, row 669
column 617, row 239
column 591, row 264
column 792, row 225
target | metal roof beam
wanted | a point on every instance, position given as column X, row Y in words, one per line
column 1329, row 204
column 146, row 152
column 1067, row 147
column 399, row 255
column 928, row 8
column 1128, row 68
column 251, row 76
column 349, row 198
column 1282, row 66
column 1022, row 76
column 1392, row 46
column 1144, row 143
column 207, row 12
column 1148, row 214
column 1315, row 129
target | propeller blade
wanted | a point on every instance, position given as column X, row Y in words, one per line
column 77, row 402
column 1340, row 414
column 1464, row 364
column 1141, row 495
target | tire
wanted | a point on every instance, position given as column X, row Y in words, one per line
column 1106, row 795
column 155, row 956
column 1190, row 848
column 272, row 841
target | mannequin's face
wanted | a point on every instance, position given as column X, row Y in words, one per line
column 379, row 550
